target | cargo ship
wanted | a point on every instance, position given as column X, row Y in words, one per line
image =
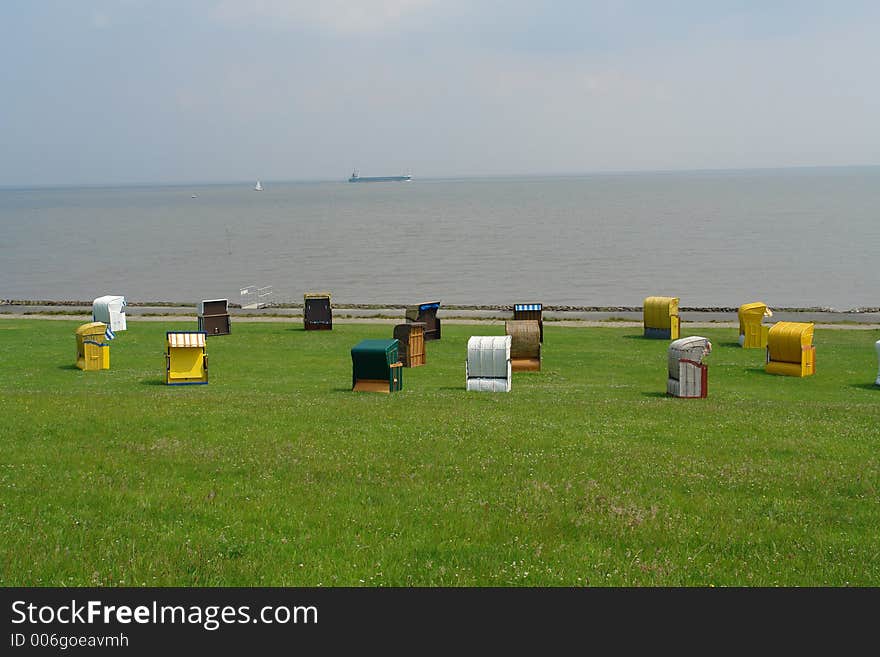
column 356, row 177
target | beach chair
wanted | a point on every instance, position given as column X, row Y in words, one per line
column 411, row 340
column 530, row 311
column 213, row 317
column 110, row 309
column 375, row 366
column 427, row 313
column 92, row 350
column 525, row 344
column 688, row 376
column 488, row 367
column 790, row 349
column 317, row 312
column 752, row 333
column 661, row 318
column 877, row 347
column 186, row 358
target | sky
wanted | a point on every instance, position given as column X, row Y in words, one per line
column 129, row 91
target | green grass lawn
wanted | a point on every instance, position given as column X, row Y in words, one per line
column 585, row 474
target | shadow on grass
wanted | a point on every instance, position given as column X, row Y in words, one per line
column 729, row 344
column 68, row 367
column 655, row 393
column 758, row 370
column 152, row 382
column 865, row 386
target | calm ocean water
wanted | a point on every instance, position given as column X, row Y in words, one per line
column 789, row 237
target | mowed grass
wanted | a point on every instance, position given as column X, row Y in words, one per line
column 585, row 474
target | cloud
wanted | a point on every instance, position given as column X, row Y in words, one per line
column 334, row 16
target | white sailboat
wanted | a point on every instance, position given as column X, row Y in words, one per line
column 258, row 187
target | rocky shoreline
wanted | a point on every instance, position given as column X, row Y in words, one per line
column 446, row 306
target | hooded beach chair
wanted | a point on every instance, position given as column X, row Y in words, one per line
column 688, row 376
column 375, row 366
column 186, row 358
column 488, row 367
column 790, row 349
column 752, row 333
column 661, row 318
column 427, row 313
column 92, row 350
column 110, row 309
column 411, row 339
column 213, row 317
column 877, row 348
column 530, row 311
column 525, row 344
column 317, row 312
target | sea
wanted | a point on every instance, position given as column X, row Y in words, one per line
column 789, row 237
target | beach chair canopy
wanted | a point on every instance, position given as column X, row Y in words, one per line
column 92, row 330
column 418, row 311
column 372, row 358
column 530, row 311
column 752, row 311
column 213, row 307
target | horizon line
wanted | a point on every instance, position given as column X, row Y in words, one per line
column 452, row 177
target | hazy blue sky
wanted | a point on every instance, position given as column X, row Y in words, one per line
column 139, row 90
